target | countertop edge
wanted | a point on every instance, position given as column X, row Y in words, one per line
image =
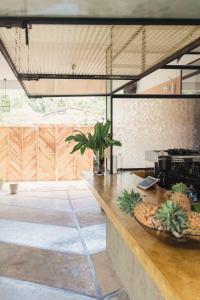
column 165, row 287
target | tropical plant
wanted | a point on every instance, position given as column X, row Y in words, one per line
column 128, row 201
column 173, row 218
column 98, row 141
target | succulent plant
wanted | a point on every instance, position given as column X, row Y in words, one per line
column 196, row 207
column 173, row 218
column 128, row 201
column 179, row 188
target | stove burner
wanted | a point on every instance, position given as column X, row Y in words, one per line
column 181, row 151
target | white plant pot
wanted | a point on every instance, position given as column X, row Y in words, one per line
column 13, row 188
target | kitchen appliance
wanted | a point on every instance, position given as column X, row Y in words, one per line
column 176, row 165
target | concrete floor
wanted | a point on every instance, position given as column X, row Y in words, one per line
column 53, row 245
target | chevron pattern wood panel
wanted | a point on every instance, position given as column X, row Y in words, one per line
column 40, row 153
column 4, row 153
column 46, row 157
column 15, row 154
column 65, row 162
column 29, row 169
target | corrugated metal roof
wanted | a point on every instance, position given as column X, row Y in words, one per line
column 118, row 50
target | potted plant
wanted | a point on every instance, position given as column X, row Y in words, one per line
column 13, row 188
column 97, row 142
column 1, row 183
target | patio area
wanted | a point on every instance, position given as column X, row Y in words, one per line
column 53, row 245
column 100, row 131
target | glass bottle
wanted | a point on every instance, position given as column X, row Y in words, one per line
column 192, row 194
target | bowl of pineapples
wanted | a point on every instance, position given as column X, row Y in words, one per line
column 172, row 221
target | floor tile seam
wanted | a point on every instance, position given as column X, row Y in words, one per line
column 87, row 254
column 113, row 293
column 50, row 287
column 30, row 222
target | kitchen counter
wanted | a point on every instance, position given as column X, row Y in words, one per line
column 157, row 270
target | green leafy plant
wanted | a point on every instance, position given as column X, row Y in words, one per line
column 128, row 201
column 179, row 188
column 98, row 141
column 173, row 218
column 196, row 207
column 1, row 179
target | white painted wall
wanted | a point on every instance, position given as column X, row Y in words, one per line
column 163, row 75
column 156, row 78
column 5, row 70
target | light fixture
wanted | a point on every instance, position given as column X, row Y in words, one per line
column 5, row 101
column 73, row 68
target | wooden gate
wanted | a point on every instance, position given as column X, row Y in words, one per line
column 40, row 153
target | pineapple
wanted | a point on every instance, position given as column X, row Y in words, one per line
column 167, row 195
column 193, row 223
column 145, row 214
column 131, row 203
column 178, row 195
column 182, row 200
column 173, row 218
column 127, row 201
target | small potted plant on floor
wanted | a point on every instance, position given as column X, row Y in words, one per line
column 1, row 183
column 13, row 188
column 97, row 142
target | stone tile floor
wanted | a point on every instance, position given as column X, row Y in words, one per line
column 53, row 245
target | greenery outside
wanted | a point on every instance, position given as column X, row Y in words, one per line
column 83, row 111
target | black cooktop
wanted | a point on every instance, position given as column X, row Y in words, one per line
column 181, row 151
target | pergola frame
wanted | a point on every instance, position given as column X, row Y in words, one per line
column 25, row 23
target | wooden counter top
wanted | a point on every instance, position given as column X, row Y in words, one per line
column 175, row 270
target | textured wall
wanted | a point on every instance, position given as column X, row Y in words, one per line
column 142, row 124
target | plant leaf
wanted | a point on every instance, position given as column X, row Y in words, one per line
column 107, row 127
column 77, row 147
column 83, row 148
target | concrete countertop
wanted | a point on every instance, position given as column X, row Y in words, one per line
column 175, row 270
